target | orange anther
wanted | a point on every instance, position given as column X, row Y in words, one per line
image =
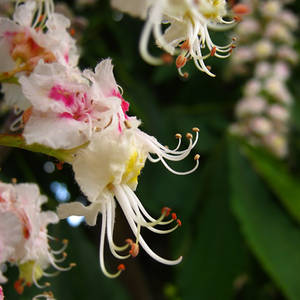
column 19, row 286
column 237, row 18
column 195, row 129
column 241, row 9
column 179, row 222
column 166, row 211
column 180, row 61
column 174, row 216
column 185, row 74
column 121, row 267
column 208, row 68
column 189, row 136
column 26, row 115
column 178, row 136
column 213, row 51
column 59, row 165
column 185, row 45
column 167, row 58
column 134, row 251
column 72, row 31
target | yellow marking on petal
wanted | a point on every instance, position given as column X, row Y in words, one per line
column 133, row 168
column 27, row 269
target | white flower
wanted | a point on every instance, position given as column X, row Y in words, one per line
column 277, row 89
column 107, row 171
column 250, row 106
column 24, row 41
column 24, row 237
column 62, row 99
column 252, row 87
column 287, row 53
column 277, row 144
column 263, row 49
column 279, row 33
column 270, row 8
column 187, row 35
column 261, row 126
column 278, row 113
column 262, row 69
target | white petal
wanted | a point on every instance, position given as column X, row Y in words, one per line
column 136, row 8
column 55, row 133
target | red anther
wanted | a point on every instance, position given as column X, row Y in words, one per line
column 28, row 284
column 237, row 18
column 213, row 51
column 19, row 287
column 180, row 61
column 129, row 242
column 72, row 31
column 174, row 216
column 134, row 251
column 241, row 9
column 167, row 58
column 185, row 45
column 185, row 74
column 166, row 211
column 26, row 115
column 59, row 165
column 121, row 267
column 179, row 222
column 233, row 46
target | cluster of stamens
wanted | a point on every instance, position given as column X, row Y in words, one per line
column 54, row 257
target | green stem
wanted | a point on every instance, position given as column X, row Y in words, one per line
column 17, row 141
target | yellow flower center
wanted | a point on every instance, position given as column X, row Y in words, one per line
column 133, row 168
column 30, row 269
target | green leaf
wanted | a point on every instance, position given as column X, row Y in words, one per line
column 286, row 187
column 271, row 234
column 216, row 256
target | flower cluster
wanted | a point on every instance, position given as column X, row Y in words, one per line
column 187, row 35
column 267, row 39
column 24, row 237
column 84, row 114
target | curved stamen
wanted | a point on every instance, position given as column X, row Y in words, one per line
column 122, row 199
column 101, row 247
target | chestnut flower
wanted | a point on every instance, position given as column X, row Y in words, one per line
column 24, row 236
column 107, row 171
column 29, row 37
column 187, row 35
column 72, row 104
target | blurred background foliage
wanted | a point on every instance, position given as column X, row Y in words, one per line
column 240, row 210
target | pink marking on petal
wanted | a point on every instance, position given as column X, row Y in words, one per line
column 119, row 125
column 1, row 293
column 66, row 115
column 124, row 104
column 66, row 57
column 60, row 94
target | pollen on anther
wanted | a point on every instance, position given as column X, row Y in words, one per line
column 166, row 211
column 185, row 45
column 196, row 129
column 14, row 180
column 180, row 61
column 185, row 74
column 47, row 284
column 196, row 157
column 189, row 136
column 167, row 58
column 213, row 51
column 179, row 222
column 178, row 136
column 65, row 241
column 174, row 216
column 121, row 267
column 72, row 265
